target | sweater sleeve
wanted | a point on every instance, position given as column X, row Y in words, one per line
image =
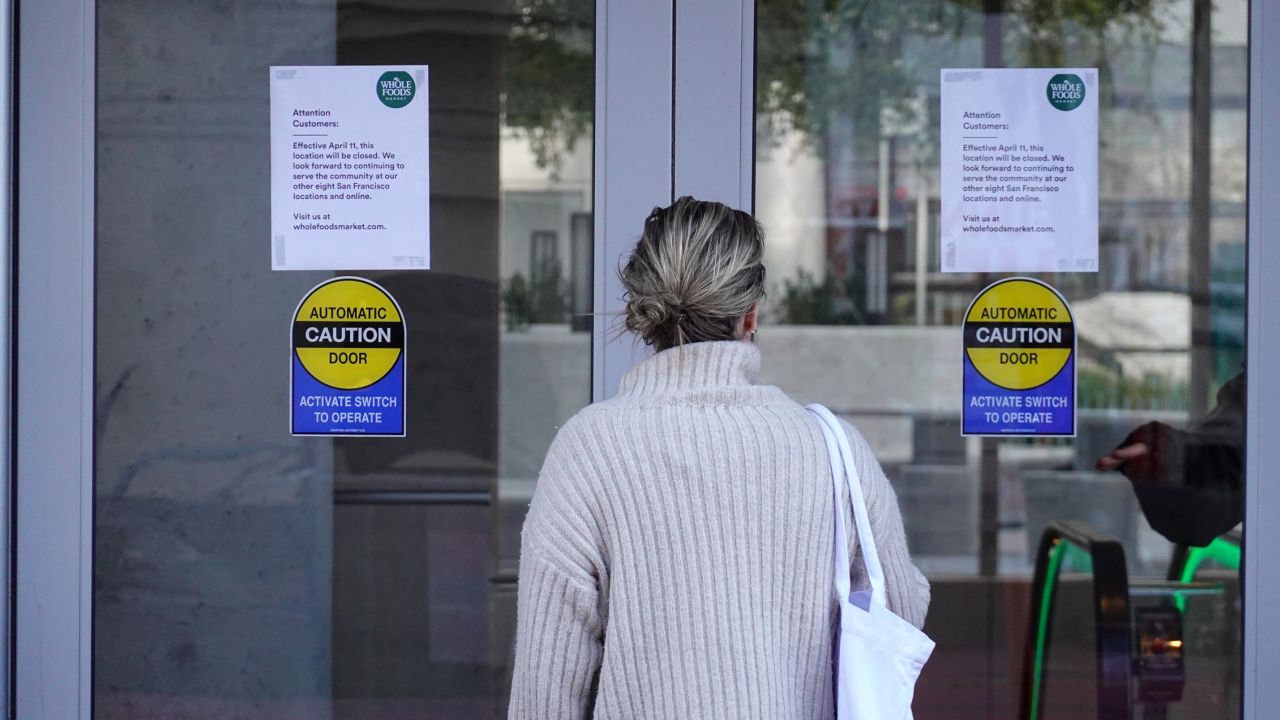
column 906, row 586
column 558, row 644
column 559, row 624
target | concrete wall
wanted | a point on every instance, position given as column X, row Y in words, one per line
column 213, row 547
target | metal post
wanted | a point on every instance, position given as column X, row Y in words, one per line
column 7, row 269
column 922, row 240
column 989, row 498
column 877, row 242
column 1198, row 240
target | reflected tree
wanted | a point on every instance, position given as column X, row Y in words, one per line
column 549, row 76
column 818, row 59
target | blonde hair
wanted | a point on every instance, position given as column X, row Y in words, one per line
column 697, row 269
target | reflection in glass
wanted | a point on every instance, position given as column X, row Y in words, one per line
column 242, row 573
column 861, row 318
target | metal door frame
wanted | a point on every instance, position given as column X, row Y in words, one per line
column 633, row 153
column 1261, row 573
column 54, row 359
column 6, row 363
column 675, row 115
column 675, row 97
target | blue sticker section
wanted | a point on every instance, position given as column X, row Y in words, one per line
column 321, row 410
column 993, row 410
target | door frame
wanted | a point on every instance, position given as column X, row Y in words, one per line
column 1260, row 582
column 6, row 360
column 675, row 116
column 53, row 352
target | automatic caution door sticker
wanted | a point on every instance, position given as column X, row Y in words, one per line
column 348, row 360
column 1019, row 361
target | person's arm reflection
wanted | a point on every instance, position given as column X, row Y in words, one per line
column 1189, row 483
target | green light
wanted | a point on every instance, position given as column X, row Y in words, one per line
column 1081, row 561
column 1221, row 551
column 1042, row 627
column 1079, row 558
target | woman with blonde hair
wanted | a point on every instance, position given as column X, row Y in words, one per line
column 676, row 562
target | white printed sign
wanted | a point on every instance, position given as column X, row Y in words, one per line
column 1020, row 170
column 350, row 174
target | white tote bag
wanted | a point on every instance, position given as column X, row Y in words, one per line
column 878, row 654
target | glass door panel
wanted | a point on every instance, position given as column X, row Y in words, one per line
column 244, row 573
column 860, row 316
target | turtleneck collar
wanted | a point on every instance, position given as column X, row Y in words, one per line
column 712, row 365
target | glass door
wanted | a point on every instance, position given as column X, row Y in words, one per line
column 863, row 318
column 179, row 553
column 243, row 573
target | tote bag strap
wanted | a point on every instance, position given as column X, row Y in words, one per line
column 841, row 457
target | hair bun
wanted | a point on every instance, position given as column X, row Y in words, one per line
column 697, row 269
column 653, row 316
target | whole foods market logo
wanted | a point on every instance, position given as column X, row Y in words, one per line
column 396, row 89
column 1065, row 92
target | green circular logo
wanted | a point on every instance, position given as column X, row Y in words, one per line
column 396, row 88
column 1065, row 91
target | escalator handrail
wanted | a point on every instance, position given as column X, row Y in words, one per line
column 1113, row 648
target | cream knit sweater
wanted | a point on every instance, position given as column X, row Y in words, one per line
column 677, row 557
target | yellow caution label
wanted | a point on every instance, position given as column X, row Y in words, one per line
column 1019, row 333
column 348, row 333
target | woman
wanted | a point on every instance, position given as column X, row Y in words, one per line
column 677, row 557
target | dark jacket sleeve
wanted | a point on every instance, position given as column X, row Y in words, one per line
column 1197, row 493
